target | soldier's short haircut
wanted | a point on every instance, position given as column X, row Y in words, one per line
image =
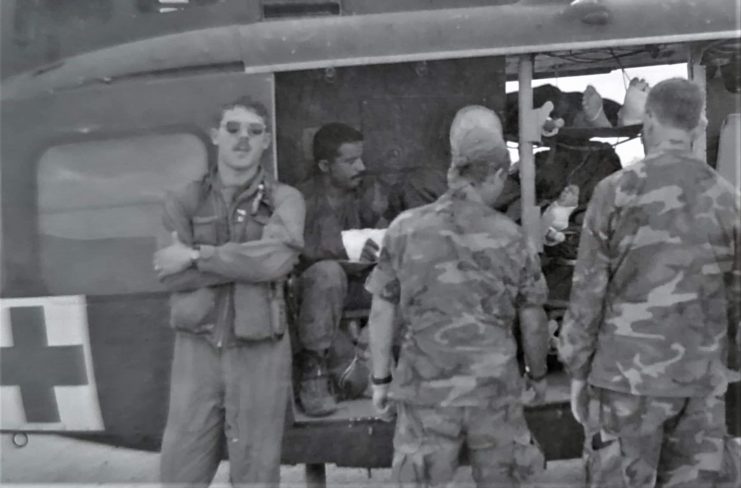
column 676, row 102
column 244, row 101
column 330, row 137
column 475, row 118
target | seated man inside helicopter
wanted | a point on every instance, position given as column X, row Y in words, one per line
column 339, row 197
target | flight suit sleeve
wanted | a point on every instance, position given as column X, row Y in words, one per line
column 176, row 220
column 384, row 280
column 578, row 336
column 269, row 258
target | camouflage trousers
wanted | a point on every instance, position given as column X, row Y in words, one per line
column 325, row 291
column 428, row 441
column 642, row 441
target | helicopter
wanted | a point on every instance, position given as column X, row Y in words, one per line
column 98, row 122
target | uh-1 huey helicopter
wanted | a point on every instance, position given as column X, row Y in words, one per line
column 119, row 112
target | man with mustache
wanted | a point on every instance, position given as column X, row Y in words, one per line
column 234, row 235
column 334, row 202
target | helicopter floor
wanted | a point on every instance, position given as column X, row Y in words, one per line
column 362, row 408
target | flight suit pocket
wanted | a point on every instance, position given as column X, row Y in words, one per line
column 252, row 313
column 206, row 230
column 193, row 311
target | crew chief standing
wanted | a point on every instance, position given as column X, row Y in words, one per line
column 236, row 234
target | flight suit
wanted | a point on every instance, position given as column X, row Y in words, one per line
column 231, row 371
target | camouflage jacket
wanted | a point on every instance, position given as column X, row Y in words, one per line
column 656, row 281
column 458, row 271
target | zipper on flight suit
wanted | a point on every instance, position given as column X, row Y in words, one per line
column 231, row 210
column 223, row 323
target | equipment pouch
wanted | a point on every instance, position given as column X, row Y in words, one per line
column 278, row 317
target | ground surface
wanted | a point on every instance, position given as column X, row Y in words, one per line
column 49, row 460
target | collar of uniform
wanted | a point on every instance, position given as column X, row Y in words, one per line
column 250, row 188
column 316, row 194
column 672, row 146
column 679, row 153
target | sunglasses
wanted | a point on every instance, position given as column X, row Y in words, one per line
column 253, row 130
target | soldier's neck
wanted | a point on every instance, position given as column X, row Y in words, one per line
column 335, row 195
column 670, row 140
column 232, row 177
column 467, row 192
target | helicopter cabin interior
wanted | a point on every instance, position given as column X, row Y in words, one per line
column 404, row 111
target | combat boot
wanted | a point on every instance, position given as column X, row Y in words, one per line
column 314, row 390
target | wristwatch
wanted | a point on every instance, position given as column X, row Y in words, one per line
column 535, row 378
column 381, row 381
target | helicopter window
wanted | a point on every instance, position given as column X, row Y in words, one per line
column 99, row 203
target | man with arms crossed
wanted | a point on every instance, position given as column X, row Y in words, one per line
column 236, row 233
column 460, row 273
column 655, row 286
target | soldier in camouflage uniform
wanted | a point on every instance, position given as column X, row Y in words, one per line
column 656, row 287
column 461, row 273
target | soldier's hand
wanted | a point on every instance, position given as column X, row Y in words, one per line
column 540, row 388
column 370, row 251
column 534, row 391
column 381, row 401
column 579, row 401
column 174, row 258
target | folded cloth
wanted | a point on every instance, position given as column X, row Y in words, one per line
column 556, row 216
column 354, row 239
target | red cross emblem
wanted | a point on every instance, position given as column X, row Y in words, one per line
column 36, row 367
column 46, row 375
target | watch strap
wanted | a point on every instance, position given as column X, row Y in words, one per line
column 381, row 381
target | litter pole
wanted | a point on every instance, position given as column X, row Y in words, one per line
column 530, row 213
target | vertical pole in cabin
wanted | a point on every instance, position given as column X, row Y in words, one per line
column 274, row 128
column 696, row 74
column 530, row 214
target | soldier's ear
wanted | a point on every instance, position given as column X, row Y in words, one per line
column 214, row 132
column 323, row 165
column 700, row 129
